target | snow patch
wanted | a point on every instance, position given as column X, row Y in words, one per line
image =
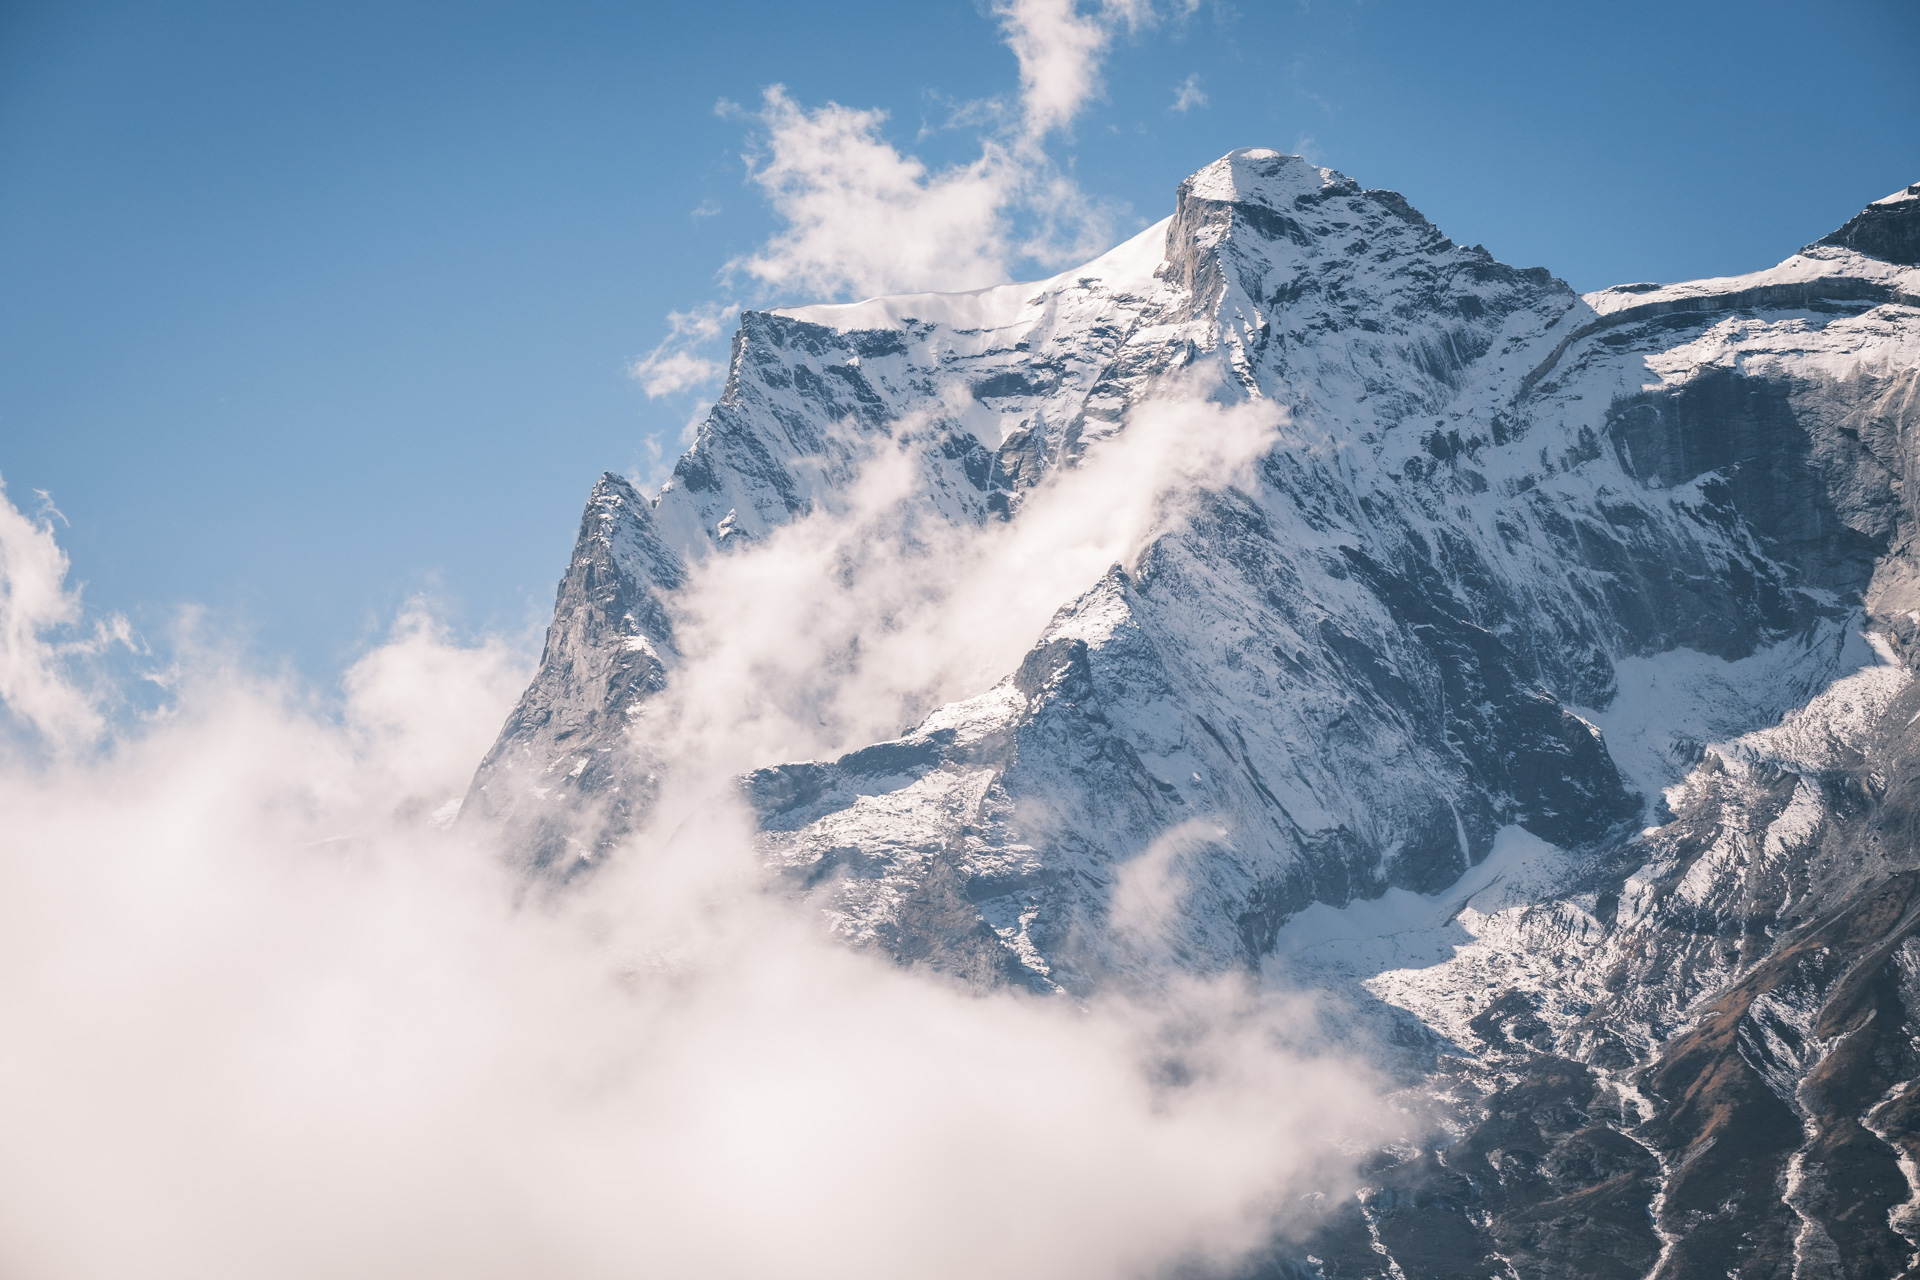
column 1127, row 268
column 1669, row 707
column 1402, row 929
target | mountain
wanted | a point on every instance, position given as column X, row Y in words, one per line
column 1541, row 680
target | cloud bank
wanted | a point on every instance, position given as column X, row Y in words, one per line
column 268, row 1015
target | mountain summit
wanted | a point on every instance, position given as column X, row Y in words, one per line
column 1532, row 669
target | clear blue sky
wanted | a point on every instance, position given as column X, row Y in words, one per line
column 305, row 308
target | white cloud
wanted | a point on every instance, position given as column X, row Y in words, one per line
column 663, row 372
column 265, row 1018
column 1188, row 94
column 1149, row 892
column 676, row 364
column 1059, row 49
column 418, row 706
column 35, row 607
column 863, row 218
column 706, row 321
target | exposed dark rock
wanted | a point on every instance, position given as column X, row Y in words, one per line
column 1888, row 230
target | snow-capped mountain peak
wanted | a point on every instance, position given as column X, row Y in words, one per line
column 1441, row 562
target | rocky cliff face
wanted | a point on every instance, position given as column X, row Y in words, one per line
column 1541, row 682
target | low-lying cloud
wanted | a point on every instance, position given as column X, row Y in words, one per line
column 267, row 1016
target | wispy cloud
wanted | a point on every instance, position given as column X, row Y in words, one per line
column 663, row 372
column 677, row 364
column 1060, row 47
column 40, row 633
column 1188, row 94
column 866, row 614
column 863, row 217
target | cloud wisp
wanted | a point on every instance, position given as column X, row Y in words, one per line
column 862, row 218
column 676, row 364
column 1060, row 46
column 852, row 623
column 1188, row 94
column 40, row 633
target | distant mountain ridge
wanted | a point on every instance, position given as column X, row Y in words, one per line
column 1592, row 613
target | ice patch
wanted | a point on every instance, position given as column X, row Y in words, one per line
column 1402, row 929
column 1669, row 707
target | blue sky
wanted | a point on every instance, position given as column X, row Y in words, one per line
column 306, row 309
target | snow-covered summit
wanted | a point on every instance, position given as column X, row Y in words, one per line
column 1256, row 175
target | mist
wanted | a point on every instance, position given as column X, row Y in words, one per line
column 848, row 625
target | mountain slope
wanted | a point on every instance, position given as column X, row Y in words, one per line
column 1451, row 575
